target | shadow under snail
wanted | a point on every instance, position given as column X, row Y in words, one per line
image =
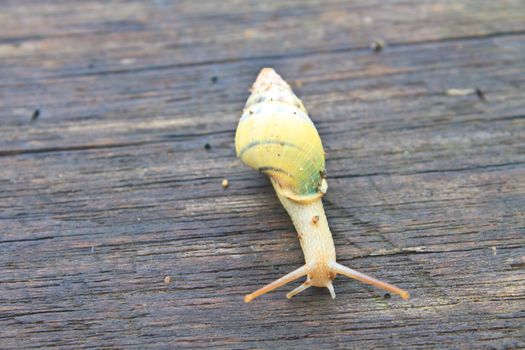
column 276, row 137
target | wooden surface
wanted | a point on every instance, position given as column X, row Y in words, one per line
column 108, row 188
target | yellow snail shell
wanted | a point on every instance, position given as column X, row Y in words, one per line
column 276, row 137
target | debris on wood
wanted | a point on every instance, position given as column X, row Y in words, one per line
column 466, row 92
column 167, row 280
column 225, row 183
column 35, row 115
column 481, row 94
column 377, row 45
column 460, row 92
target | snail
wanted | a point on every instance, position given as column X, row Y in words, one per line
column 276, row 137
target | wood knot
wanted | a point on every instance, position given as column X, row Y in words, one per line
column 299, row 235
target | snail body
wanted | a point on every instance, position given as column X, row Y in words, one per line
column 276, row 137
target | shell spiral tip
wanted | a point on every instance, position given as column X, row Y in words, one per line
column 266, row 78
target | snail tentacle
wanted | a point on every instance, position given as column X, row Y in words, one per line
column 348, row 272
column 331, row 289
column 299, row 289
column 292, row 276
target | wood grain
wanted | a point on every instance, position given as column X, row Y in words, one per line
column 110, row 188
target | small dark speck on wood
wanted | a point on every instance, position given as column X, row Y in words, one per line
column 214, row 79
column 35, row 115
column 481, row 94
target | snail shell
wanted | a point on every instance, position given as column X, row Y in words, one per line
column 276, row 137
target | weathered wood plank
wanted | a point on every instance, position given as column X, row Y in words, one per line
column 111, row 189
column 102, row 42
